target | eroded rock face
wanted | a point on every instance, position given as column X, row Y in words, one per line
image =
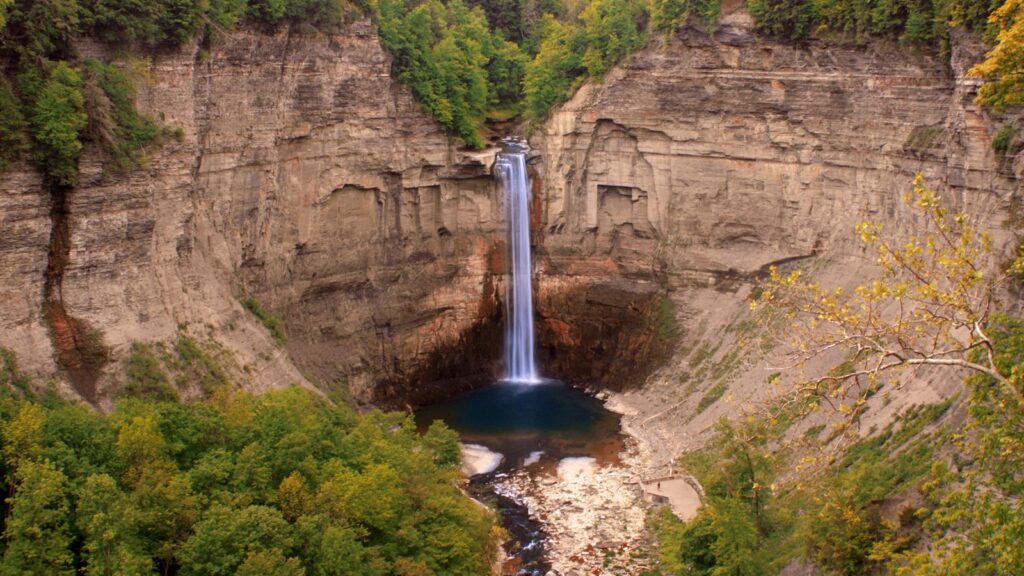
column 304, row 177
column 699, row 163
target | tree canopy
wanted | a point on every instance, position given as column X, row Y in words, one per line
column 283, row 484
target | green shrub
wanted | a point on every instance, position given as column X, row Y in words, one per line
column 271, row 322
column 114, row 122
column 791, row 19
column 912, row 21
column 713, row 396
column 283, row 483
column 668, row 15
column 10, row 375
column 457, row 68
column 58, row 119
column 1003, row 140
column 13, row 127
column 197, row 365
column 146, row 376
column 551, row 75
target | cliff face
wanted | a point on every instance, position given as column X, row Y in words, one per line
column 305, row 178
column 697, row 164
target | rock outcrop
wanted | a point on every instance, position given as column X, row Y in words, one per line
column 304, row 177
column 700, row 162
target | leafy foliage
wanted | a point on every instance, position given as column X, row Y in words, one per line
column 912, row 21
column 279, row 484
column 607, row 30
column 751, row 525
column 271, row 322
column 455, row 65
column 58, row 120
column 13, row 128
column 864, row 514
column 146, row 376
column 1004, row 64
column 936, row 283
column 113, row 120
column 669, row 15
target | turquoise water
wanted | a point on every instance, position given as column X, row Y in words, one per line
column 518, row 420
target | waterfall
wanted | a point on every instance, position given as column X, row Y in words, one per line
column 510, row 168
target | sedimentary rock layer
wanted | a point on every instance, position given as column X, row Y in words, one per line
column 304, row 177
column 700, row 162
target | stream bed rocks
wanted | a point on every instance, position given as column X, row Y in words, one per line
column 594, row 515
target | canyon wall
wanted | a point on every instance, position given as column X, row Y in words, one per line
column 305, row 177
column 700, row 162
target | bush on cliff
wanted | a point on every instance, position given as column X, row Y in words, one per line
column 58, row 119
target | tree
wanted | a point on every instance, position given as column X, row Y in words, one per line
column 737, row 540
column 552, row 73
column 611, row 31
column 58, row 119
column 668, row 15
column 37, row 533
column 225, row 537
column 4, row 4
column 270, row 563
column 112, row 541
column 930, row 306
column 445, row 443
column 23, row 436
column 12, row 123
column 1004, row 64
column 792, row 19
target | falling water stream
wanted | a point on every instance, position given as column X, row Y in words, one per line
column 524, row 422
column 510, row 168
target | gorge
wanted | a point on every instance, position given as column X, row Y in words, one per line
column 309, row 185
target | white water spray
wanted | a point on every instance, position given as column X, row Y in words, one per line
column 510, row 168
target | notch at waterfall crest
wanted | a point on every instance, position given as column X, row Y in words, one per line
column 520, row 362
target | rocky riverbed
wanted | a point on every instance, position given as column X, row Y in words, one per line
column 593, row 513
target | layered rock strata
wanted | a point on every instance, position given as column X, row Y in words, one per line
column 303, row 177
column 700, row 162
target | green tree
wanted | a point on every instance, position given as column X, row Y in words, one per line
column 793, row 19
column 13, row 127
column 224, row 537
column 58, row 119
column 552, row 74
column 37, row 532
column 40, row 30
column 445, row 443
column 270, row 563
column 4, row 4
column 24, row 436
column 737, row 540
column 112, row 540
column 668, row 15
column 611, row 30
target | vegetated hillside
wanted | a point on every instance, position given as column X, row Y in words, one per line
column 286, row 483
